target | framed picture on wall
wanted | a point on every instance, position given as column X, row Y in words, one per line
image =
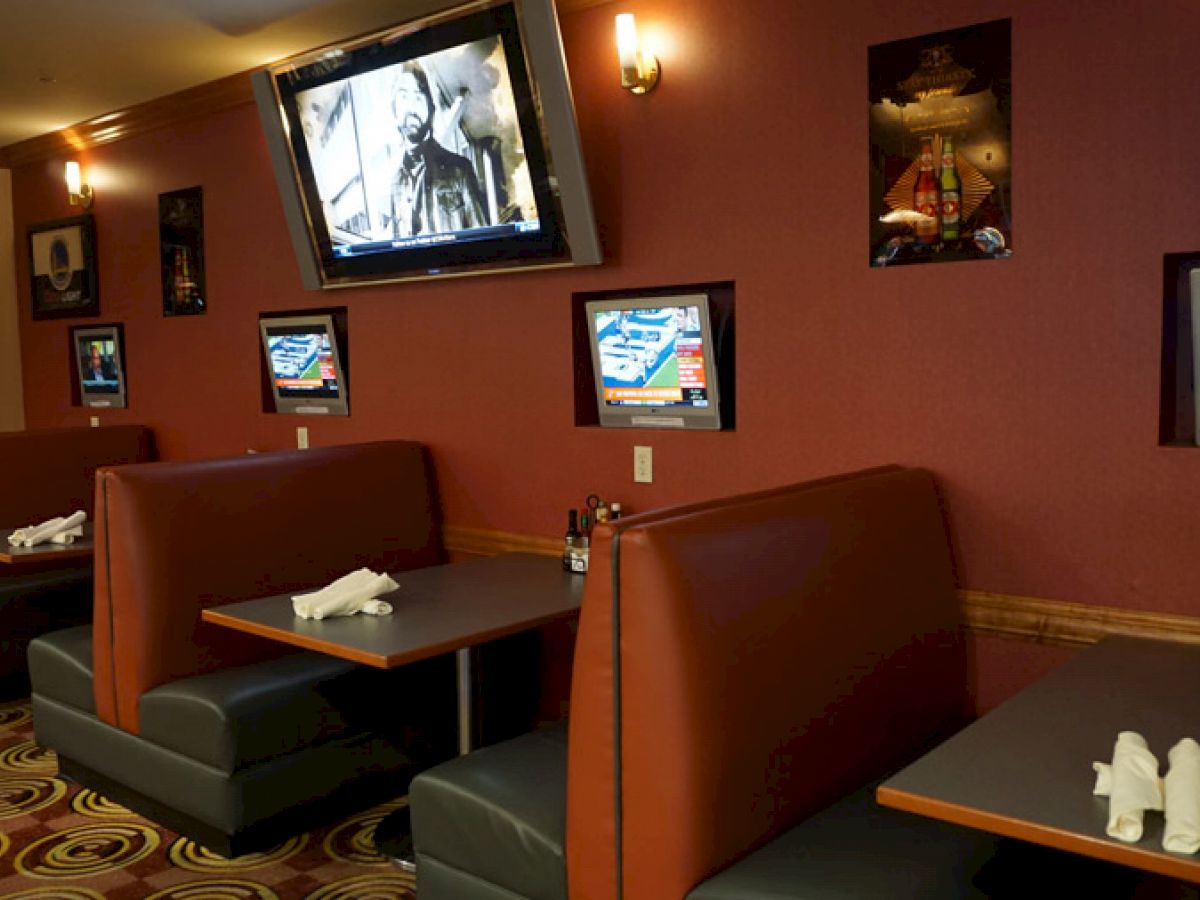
column 940, row 146
column 98, row 360
column 62, row 268
column 181, row 247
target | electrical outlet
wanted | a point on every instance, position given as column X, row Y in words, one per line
column 95, row 421
column 301, row 437
column 643, row 464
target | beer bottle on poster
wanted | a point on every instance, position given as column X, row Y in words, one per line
column 925, row 195
column 951, row 186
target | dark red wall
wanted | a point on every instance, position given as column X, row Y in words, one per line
column 1029, row 387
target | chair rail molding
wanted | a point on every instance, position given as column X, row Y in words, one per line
column 1054, row 622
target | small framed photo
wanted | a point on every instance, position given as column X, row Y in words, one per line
column 62, row 268
column 98, row 359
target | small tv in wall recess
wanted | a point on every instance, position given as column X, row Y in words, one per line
column 654, row 362
column 304, row 364
column 446, row 145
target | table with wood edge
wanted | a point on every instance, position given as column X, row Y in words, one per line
column 47, row 551
column 1024, row 770
column 435, row 610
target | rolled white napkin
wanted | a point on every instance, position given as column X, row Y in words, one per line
column 346, row 596
column 31, row 535
column 1132, row 785
column 1104, row 781
column 68, row 536
column 1182, row 800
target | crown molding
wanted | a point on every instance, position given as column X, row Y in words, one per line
column 204, row 99
column 201, row 100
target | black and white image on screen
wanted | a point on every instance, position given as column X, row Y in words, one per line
column 424, row 151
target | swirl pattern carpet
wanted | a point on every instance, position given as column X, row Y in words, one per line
column 62, row 842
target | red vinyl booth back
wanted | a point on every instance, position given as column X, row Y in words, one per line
column 52, row 472
column 173, row 538
column 772, row 652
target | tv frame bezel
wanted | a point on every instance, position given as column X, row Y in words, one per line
column 693, row 418
column 549, row 85
column 91, row 399
column 306, row 406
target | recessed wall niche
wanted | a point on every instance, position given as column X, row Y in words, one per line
column 1177, row 415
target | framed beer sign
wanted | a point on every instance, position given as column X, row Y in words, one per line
column 941, row 147
column 62, row 268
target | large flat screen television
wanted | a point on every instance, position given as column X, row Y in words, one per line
column 654, row 362
column 304, row 364
column 446, row 145
column 99, row 362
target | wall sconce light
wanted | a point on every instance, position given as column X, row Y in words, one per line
column 639, row 71
column 78, row 193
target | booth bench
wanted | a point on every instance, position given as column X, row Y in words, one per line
column 48, row 473
column 230, row 739
column 745, row 670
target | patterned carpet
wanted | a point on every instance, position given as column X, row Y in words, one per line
column 62, row 842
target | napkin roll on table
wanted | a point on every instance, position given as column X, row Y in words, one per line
column 60, row 530
column 350, row 594
column 1182, row 801
column 1132, row 784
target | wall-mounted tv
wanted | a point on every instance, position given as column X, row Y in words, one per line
column 446, row 145
column 654, row 362
column 304, row 364
column 99, row 363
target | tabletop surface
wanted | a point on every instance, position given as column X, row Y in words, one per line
column 1024, row 770
column 81, row 547
column 435, row 610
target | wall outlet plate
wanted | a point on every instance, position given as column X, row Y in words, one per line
column 643, row 464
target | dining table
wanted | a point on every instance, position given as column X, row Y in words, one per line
column 47, row 551
column 1025, row 769
column 451, row 608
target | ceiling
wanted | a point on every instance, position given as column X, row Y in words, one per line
column 63, row 62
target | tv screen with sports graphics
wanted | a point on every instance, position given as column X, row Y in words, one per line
column 654, row 362
column 446, row 145
column 304, row 364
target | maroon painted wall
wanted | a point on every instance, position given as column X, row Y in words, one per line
column 1029, row 387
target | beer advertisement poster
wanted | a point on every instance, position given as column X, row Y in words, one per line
column 181, row 249
column 941, row 161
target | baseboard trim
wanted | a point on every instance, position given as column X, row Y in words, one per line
column 1056, row 622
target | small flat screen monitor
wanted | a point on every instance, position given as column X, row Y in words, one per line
column 99, row 364
column 654, row 362
column 305, row 365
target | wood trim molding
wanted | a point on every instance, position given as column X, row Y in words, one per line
column 1068, row 624
column 461, row 541
column 1056, row 622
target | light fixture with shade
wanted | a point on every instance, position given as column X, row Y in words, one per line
column 79, row 193
column 639, row 70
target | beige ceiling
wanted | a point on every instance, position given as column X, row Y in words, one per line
column 63, row 62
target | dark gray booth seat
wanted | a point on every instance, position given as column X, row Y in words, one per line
column 239, row 758
column 858, row 850
column 489, row 825
column 33, row 603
